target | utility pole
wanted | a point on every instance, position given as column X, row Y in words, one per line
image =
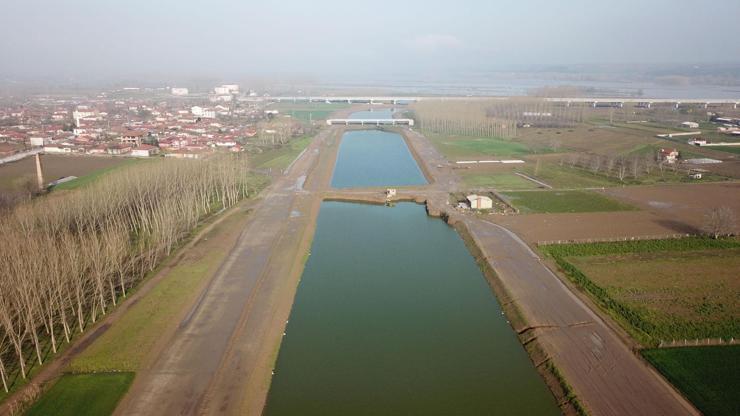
column 39, row 172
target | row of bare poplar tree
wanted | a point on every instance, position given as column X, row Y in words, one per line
column 619, row 167
column 463, row 117
column 68, row 258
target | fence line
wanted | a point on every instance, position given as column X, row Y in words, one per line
column 615, row 239
column 20, row 155
column 704, row 342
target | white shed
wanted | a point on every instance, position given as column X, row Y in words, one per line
column 480, row 202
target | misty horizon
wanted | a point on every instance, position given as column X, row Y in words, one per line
column 179, row 41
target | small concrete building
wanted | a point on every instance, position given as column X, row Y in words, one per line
column 668, row 155
column 479, row 202
column 144, row 150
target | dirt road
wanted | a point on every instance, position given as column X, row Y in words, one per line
column 604, row 373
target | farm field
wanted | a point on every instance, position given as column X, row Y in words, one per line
column 563, row 202
column 605, row 140
column 727, row 149
column 461, row 147
column 708, row 376
column 97, row 174
column 308, row 111
column 280, row 158
column 83, row 395
column 497, row 180
column 685, row 204
column 564, row 177
column 14, row 175
column 660, row 290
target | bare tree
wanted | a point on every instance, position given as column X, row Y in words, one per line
column 72, row 258
column 596, row 163
column 635, row 167
column 555, row 144
column 610, row 163
column 622, row 169
column 719, row 222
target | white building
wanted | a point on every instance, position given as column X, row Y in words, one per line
column 57, row 149
column 37, row 141
column 179, row 91
column 225, row 143
column 144, row 150
column 202, row 112
column 690, row 125
column 226, row 89
column 479, row 202
column 223, row 98
column 81, row 113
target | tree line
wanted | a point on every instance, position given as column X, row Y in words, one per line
column 68, row 258
column 621, row 167
column 464, row 118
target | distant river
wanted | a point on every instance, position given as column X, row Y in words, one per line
column 393, row 317
column 521, row 86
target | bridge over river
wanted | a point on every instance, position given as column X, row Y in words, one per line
column 370, row 121
column 592, row 101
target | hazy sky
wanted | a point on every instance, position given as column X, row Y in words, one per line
column 81, row 38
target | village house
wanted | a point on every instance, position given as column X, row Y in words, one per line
column 100, row 149
column 119, row 149
column 184, row 154
column 133, row 138
column 668, row 155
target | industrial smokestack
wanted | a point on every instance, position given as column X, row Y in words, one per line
column 39, row 172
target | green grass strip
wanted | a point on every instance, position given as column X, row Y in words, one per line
column 94, row 394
